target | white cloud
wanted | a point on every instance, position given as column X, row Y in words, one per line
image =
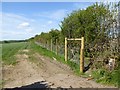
column 50, row 22
column 23, row 25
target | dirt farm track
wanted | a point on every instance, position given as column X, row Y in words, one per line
column 43, row 72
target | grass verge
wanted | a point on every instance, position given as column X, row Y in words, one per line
column 106, row 77
column 45, row 52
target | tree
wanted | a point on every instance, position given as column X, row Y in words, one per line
column 85, row 23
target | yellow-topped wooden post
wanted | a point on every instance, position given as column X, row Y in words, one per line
column 82, row 55
column 65, row 49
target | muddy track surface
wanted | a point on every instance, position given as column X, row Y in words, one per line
column 43, row 72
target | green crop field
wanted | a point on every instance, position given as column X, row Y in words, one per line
column 10, row 49
column 0, row 51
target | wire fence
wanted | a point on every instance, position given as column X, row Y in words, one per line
column 59, row 49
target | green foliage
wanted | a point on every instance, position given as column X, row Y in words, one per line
column 54, row 34
column 46, row 37
column 1, row 84
column 106, row 77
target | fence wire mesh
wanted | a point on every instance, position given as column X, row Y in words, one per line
column 73, row 48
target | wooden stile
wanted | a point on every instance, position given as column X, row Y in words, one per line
column 81, row 52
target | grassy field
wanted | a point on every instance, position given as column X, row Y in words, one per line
column 10, row 49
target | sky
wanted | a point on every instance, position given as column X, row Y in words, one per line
column 22, row 20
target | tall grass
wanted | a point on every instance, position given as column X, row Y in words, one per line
column 106, row 77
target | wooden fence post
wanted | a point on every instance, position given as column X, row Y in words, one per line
column 44, row 44
column 65, row 49
column 51, row 45
column 82, row 55
column 56, row 47
column 47, row 45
